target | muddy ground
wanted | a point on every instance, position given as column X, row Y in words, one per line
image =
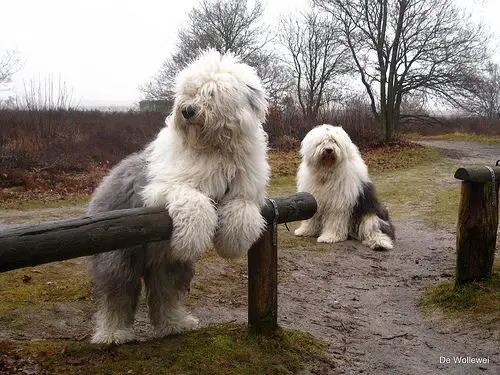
column 365, row 304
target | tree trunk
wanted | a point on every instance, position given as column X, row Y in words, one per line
column 383, row 108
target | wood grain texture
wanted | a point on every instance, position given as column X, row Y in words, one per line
column 477, row 174
column 476, row 232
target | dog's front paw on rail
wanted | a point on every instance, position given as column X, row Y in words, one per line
column 240, row 226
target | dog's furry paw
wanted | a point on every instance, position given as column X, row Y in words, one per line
column 240, row 226
column 331, row 238
column 195, row 221
column 117, row 336
column 304, row 231
column 379, row 242
column 175, row 326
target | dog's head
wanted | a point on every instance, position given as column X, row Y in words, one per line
column 327, row 146
column 218, row 101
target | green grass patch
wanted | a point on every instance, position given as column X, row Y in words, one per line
column 44, row 284
column 284, row 163
column 470, row 302
column 288, row 241
column 413, row 192
column 219, row 349
column 33, row 204
column 444, row 211
column 456, row 136
column 282, row 186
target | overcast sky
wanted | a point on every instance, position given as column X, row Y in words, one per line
column 104, row 49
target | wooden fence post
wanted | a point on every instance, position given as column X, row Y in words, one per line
column 263, row 260
column 477, row 223
column 263, row 284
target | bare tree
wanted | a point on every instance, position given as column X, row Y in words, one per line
column 10, row 63
column 480, row 95
column 225, row 25
column 402, row 46
column 316, row 57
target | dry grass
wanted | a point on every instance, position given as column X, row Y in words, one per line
column 456, row 136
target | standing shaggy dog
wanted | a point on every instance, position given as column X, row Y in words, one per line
column 209, row 168
column 333, row 171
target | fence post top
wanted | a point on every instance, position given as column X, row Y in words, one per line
column 478, row 174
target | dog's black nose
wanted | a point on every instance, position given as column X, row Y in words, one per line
column 328, row 150
column 188, row 112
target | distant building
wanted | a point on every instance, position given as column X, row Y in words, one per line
column 156, row 105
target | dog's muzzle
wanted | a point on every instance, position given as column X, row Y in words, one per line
column 188, row 113
column 328, row 155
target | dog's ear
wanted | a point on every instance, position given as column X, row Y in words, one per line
column 257, row 100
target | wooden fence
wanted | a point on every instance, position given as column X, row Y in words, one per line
column 477, row 223
column 66, row 239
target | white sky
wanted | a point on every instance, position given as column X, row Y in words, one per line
column 104, row 49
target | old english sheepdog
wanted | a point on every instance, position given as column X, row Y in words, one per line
column 208, row 166
column 333, row 171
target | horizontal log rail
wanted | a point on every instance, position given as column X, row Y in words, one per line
column 32, row 245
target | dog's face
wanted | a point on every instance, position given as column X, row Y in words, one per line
column 218, row 101
column 326, row 146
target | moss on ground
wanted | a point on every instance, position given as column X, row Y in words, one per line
column 219, row 349
column 46, row 283
column 477, row 301
column 26, row 291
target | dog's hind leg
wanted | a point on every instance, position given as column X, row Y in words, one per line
column 370, row 233
column 115, row 317
column 118, row 285
column 167, row 284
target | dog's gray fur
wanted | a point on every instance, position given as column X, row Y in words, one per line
column 368, row 203
column 117, row 274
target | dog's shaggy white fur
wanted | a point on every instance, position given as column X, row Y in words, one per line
column 333, row 171
column 209, row 167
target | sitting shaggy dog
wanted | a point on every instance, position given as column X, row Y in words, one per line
column 209, row 168
column 333, row 171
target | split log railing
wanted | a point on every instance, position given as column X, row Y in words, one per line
column 477, row 223
column 33, row 245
